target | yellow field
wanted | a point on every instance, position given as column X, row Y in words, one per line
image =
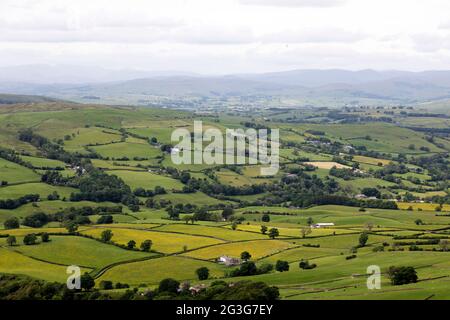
column 423, row 206
column 221, row 233
column 369, row 160
column 327, row 165
column 257, row 248
column 24, row 231
column 294, row 232
column 162, row 242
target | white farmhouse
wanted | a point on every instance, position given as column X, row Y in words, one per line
column 322, row 225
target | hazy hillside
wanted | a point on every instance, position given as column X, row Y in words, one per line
column 335, row 87
column 14, row 99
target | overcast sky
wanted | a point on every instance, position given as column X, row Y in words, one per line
column 227, row 36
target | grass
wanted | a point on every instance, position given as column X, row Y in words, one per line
column 43, row 162
column 70, row 250
column 15, row 173
column 198, row 198
column 16, row 191
column 127, row 149
column 13, row 262
column 162, row 242
column 154, row 270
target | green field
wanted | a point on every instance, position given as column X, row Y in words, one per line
column 228, row 205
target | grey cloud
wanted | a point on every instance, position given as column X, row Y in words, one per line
column 294, row 3
column 315, row 36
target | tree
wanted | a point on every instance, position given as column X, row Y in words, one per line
column 234, row 226
column 245, row 256
column 202, row 273
column 227, row 213
column 265, row 218
column 368, row 226
column 363, row 238
column 11, row 240
column 71, row 227
column 106, row 235
column 309, row 221
column 418, row 222
column 106, row 285
column 29, row 239
column 371, row 192
column 45, row 237
column 282, row 266
column 263, row 229
column 146, row 245
column 87, row 282
column 273, row 233
column 187, row 218
column 305, row 265
column 105, row 219
column 305, row 231
column 402, row 275
column 248, row 268
column 12, row 223
column 131, row 244
column 168, row 285
column 444, row 244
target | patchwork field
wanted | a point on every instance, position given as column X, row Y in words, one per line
column 211, row 211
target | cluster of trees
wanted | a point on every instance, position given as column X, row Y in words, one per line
column 98, row 186
column 249, row 268
column 141, row 192
column 345, row 173
column 52, row 150
column 310, row 200
column 24, row 288
column 11, row 204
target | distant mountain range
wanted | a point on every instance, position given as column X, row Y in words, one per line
column 83, row 83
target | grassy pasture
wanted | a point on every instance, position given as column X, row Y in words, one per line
column 162, row 242
column 69, row 250
column 127, row 149
column 154, row 270
column 198, row 198
column 43, row 162
column 15, row 173
column 384, row 137
column 16, row 191
column 13, row 262
column 48, row 207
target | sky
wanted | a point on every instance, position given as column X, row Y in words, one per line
column 227, row 36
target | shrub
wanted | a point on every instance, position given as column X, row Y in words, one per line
column 106, row 285
column 30, row 239
column 304, row 264
column 282, row 266
column 202, row 273
column 45, row 237
column 12, row 223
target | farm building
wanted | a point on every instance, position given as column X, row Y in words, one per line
column 229, row 261
column 322, row 225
